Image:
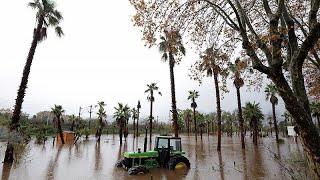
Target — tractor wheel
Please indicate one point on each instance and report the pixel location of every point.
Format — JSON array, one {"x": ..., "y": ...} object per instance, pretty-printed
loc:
[
  {"x": 178, "y": 162},
  {"x": 120, "y": 163},
  {"x": 137, "y": 170}
]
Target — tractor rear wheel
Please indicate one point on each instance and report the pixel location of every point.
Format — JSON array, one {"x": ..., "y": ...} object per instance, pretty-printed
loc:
[
  {"x": 137, "y": 170},
  {"x": 178, "y": 162}
]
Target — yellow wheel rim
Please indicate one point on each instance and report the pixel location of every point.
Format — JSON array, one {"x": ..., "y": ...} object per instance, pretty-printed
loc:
[{"x": 180, "y": 165}]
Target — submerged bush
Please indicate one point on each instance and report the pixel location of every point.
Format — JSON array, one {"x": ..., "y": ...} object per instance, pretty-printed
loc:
[{"x": 280, "y": 140}]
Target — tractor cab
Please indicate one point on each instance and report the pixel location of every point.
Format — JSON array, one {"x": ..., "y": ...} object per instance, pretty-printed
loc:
[{"x": 167, "y": 147}]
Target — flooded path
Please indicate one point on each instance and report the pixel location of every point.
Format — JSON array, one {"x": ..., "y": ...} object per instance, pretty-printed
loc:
[{"x": 89, "y": 160}]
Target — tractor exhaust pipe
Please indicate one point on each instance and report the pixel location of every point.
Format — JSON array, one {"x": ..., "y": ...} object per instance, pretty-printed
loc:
[{"x": 145, "y": 141}]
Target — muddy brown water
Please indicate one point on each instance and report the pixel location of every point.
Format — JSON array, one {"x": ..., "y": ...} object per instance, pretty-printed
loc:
[{"x": 89, "y": 160}]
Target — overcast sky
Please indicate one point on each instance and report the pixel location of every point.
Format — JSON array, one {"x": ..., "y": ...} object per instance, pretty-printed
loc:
[{"x": 100, "y": 58}]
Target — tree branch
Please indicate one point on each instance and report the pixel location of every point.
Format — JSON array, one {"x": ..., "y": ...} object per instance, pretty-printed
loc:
[
  {"x": 223, "y": 14},
  {"x": 313, "y": 13},
  {"x": 267, "y": 8},
  {"x": 308, "y": 44}
]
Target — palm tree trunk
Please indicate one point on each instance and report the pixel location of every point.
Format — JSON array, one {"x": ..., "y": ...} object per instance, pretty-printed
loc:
[
  {"x": 22, "y": 89},
  {"x": 120, "y": 134},
  {"x": 173, "y": 97},
  {"x": 255, "y": 131},
  {"x": 24, "y": 81},
  {"x": 137, "y": 129},
  {"x": 195, "y": 122},
  {"x": 100, "y": 129},
  {"x": 134, "y": 126},
  {"x": 60, "y": 130},
  {"x": 275, "y": 121},
  {"x": 72, "y": 126},
  {"x": 216, "y": 83},
  {"x": 240, "y": 119},
  {"x": 151, "y": 103}
]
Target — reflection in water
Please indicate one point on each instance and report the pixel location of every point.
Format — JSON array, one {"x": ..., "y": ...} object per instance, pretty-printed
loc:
[
  {"x": 280, "y": 172},
  {"x": 221, "y": 166},
  {"x": 98, "y": 159},
  {"x": 120, "y": 152},
  {"x": 257, "y": 164},
  {"x": 6, "y": 169},
  {"x": 53, "y": 164},
  {"x": 244, "y": 161}
]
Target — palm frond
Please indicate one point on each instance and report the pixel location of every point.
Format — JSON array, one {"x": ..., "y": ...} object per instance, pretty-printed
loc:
[
  {"x": 182, "y": 50},
  {"x": 33, "y": 5},
  {"x": 59, "y": 31},
  {"x": 164, "y": 57},
  {"x": 52, "y": 21},
  {"x": 58, "y": 15}
]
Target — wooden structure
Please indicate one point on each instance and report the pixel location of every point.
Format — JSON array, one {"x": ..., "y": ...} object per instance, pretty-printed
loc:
[{"x": 68, "y": 137}]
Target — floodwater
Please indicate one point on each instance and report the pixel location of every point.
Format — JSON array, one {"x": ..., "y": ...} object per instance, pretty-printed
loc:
[{"x": 89, "y": 160}]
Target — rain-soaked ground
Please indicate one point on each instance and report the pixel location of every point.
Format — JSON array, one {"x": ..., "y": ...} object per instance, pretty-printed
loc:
[{"x": 89, "y": 160}]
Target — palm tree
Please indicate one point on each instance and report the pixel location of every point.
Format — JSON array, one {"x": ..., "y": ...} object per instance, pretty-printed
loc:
[
  {"x": 252, "y": 112},
  {"x": 121, "y": 115},
  {"x": 134, "y": 116},
  {"x": 315, "y": 109},
  {"x": 72, "y": 118},
  {"x": 151, "y": 88},
  {"x": 101, "y": 115},
  {"x": 47, "y": 16},
  {"x": 235, "y": 69},
  {"x": 211, "y": 66},
  {"x": 193, "y": 95},
  {"x": 57, "y": 110},
  {"x": 271, "y": 92},
  {"x": 138, "y": 112},
  {"x": 171, "y": 46}
]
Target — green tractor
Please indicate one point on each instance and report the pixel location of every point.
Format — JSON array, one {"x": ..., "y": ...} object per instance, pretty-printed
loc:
[{"x": 167, "y": 153}]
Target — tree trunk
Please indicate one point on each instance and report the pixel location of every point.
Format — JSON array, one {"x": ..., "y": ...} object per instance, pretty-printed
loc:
[
  {"x": 22, "y": 88},
  {"x": 137, "y": 129},
  {"x": 307, "y": 130},
  {"x": 195, "y": 122},
  {"x": 318, "y": 119},
  {"x": 255, "y": 131},
  {"x": 9, "y": 154},
  {"x": 24, "y": 81},
  {"x": 60, "y": 130},
  {"x": 173, "y": 97},
  {"x": 275, "y": 121},
  {"x": 151, "y": 104},
  {"x": 120, "y": 134},
  {"x": 216, "y": 83},
  {"x": 72, "y": 126},
  {"x": 240, "y": 119},
  {"x": 134, "y": 127},
  {"x": 99, "y": 129}
]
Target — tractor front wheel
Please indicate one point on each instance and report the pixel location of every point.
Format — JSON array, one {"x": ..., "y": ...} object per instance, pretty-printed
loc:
[
  {"x": 120, "y": 163},
  {"x": 178, "y": 162},
  {"x": 137, "y": 170}
]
